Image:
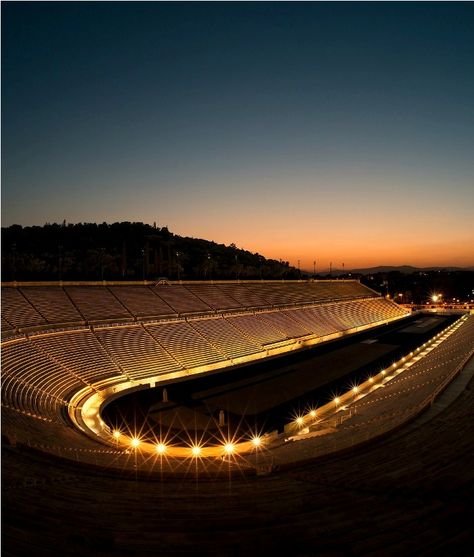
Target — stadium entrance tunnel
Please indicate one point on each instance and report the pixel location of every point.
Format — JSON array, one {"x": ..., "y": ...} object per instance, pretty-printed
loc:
[{"x": 245, "y": 408}]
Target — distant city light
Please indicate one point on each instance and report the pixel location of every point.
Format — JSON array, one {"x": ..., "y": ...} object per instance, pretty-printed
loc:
[{"x": 135, "y": 442}]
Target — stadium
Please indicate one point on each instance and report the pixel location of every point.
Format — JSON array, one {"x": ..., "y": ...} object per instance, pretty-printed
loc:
[
  {"x": 237, "y": 279},
  {"x": 255, "y": 460}
]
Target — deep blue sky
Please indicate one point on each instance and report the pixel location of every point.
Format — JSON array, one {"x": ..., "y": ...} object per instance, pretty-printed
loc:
[{"x": 335, "y": 131}]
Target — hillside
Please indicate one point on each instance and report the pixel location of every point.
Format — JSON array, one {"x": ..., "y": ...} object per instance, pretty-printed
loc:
[{"x": 126, "y": 251}]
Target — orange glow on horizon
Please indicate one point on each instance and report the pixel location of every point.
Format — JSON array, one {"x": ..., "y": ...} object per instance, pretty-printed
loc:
[
  {"x": 345, "y": 219},
  {"x": 356, "y": 247}
]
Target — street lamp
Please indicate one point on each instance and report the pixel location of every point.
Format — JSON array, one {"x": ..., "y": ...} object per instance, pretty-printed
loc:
[{"x": 177, "y": 264}]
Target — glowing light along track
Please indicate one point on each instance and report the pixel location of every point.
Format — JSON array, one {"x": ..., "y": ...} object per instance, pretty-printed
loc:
[
  {"x": 90, "y": 414},
  {"x": 191, "y": 451},
  {"x": 342, "y": 402}
]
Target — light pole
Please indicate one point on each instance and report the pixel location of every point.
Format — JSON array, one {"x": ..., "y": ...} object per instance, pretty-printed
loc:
[
  {"x": 178, "y": 265},
  {"x": 60, "y": 263},
  {"x": 102, "y": 250},
  {"x": 314, "y": 268},
  {"x": 14, "y": 262},
  {"x": 143, "y": 264}
]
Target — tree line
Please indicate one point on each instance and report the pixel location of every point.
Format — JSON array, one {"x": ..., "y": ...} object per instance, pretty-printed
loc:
[{"x": 126, "y": 251}]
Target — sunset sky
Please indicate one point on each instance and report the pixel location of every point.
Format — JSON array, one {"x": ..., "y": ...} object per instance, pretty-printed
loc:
[{"x": 312, "y": 131}]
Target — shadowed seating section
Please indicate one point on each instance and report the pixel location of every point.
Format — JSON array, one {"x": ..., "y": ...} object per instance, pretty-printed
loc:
[
  {"x": 80, "y": 352},
  {"x": 227, "y": 339},
  {"x": 142, "y": 301},
  {"x": 33, "y": 382},
  {"x": 181, "y": 299},
  {"x": 243, "y": 295},
  {"x": 96, "y": 303},
  {"x": 214, "y": 297},
  {"x": 188, "y": 347},
  {"x": 284, "y": 322},
  {"x": 53, "y": 304},
  {"x": 6, "y": 326},
  {"x": 18, "y": 311},
  {"x": 136, "y": 351},
  {"x": 256, "y": 329},
  {"x": 49, "y": 435},
  {"x": 275, "y": 295},
  {"x": 317, "y": 320}
]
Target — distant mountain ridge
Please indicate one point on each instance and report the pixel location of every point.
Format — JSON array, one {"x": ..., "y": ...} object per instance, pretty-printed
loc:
[{"x": 405, "y": 269}]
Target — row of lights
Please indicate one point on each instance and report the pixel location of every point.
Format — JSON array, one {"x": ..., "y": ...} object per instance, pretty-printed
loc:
[
  {"x": 300, "y": 420},
  {"x": 195, "y": 450}
]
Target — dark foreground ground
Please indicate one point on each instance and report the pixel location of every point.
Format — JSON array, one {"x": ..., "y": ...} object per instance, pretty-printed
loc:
[{"x": 410, "y": 494}]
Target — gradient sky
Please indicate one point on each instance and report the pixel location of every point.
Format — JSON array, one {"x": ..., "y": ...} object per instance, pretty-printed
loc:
[{"x": 328, "y": 131}]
